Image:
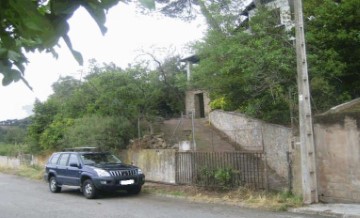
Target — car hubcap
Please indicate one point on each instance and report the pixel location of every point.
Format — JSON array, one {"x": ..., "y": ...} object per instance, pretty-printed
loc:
[
  {"x": 53, "y": 184},
  {"x": 88, "y": 189}
]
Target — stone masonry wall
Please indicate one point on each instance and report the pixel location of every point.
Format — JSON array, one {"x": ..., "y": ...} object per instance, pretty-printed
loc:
[
  {"x": 16, "y": 162},
  {"x": 10, "y": 162},
  {"x": 157, "y": 164},
  {"x": 252, "y": 134}
]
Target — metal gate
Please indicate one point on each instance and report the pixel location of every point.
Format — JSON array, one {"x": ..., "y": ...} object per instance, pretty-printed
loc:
[{"x": 220, "y": 169}]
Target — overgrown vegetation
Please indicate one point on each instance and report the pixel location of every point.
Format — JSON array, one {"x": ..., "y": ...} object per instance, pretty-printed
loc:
[
  {"x": 254, "y": 71},
  {"x": 220, "y": 177},
  {"x": 8, "y": 149},
  {"x": 248, "y": 70},
  {"x": 276, "y": 201},
  {"x": 105, "y": 108}
]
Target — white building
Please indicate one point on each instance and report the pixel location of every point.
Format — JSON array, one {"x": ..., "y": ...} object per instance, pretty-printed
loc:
[{"x": 283, "y": 8}]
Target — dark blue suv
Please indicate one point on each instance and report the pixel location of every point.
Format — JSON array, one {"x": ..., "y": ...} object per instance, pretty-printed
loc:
[{"x": 92, "y": 171}]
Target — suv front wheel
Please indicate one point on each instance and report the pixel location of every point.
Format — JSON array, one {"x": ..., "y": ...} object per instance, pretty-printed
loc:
[
  {"x": 89, "y": 190},
  {"x": 53, "y": 186}
]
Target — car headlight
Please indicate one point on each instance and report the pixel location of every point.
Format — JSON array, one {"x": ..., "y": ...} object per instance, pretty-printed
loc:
[
  {"x": 101, "y": 172},
  {"x": 140, "y": 171}
]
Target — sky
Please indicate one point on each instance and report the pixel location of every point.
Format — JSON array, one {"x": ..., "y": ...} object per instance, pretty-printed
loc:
[{"x": 128, "y": 34}]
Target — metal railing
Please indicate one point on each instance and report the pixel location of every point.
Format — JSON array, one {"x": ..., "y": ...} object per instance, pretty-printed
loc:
[{"x": 221, "y": 169}]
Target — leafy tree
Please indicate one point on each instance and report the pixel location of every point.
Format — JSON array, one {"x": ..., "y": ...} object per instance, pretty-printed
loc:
[
  {"x": 249, "y": 72},
  {"x": 53, "y": 135},
  {"x": 167, "y": 85},
  {"x": 104, "y": 108},
  {"x": 38, "y": 25},
  {"x": 105, "y": 132},
  {"x": 13, "y": 135},
  {"x": 44, "y": 115},
  {"x": 333, "y": 43},
  {"x": 27, "y": 26},
  {"x": 255, "y": 73}
]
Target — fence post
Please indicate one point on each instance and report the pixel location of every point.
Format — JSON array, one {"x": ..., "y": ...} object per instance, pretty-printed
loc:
[
  {"x": 266, "y": 180},
  {"x": 265, "y": 172},
  {"x": 290, "y": 177},
  {"x": 193, "y": 167},
  {"x": 176, "y": 167}
]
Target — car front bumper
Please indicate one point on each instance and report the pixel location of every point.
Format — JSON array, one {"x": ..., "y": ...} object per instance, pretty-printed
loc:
[{"x": 118, "y": 183}]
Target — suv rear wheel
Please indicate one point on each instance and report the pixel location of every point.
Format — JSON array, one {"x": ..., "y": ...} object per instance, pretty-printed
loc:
[
  {"x": 89, "y": 190},
  {"x": 53, "y": 186}
]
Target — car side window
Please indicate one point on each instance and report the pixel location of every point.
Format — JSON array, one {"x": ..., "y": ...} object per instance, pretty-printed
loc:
[
  {"x": 63, "y": 159},
  {"x": 73, "y": 159},
  {"x": 54, "y": 158}
]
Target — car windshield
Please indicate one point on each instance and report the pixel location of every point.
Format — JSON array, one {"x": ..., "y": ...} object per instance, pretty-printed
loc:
[{"x": 99, "y": 158}]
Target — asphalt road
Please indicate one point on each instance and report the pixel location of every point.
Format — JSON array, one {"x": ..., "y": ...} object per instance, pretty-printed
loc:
[{"x": 20, "y": 197}]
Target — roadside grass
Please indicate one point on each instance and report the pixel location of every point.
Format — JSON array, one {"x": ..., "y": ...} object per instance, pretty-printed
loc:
[
  {"x": 32, "y": 172},
  {"x": 164, "y": 190},
  {"x": 274, "y": 201}
]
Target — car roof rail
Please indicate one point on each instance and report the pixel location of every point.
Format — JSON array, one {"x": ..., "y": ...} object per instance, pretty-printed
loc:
[{"x": 85, "y": 149}]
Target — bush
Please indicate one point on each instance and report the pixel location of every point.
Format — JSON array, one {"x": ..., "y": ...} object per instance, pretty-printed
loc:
[
  {"x": 7, "y": 149},
  {"x": 220, "y": 177}
]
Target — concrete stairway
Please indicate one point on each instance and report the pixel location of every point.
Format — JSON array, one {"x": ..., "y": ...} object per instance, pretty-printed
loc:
[{"x": 206, "y": 137}]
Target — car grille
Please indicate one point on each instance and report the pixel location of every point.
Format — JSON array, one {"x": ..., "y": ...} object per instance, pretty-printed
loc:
[{"x": 123, "y": 172}]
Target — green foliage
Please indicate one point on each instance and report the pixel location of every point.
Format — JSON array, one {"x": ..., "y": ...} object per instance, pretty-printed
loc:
[
  {"x": 254, "y": 71},
  {"x": 103, "y": 109},
  {"x": 250, "y": 72},
  {"x": 148, "y": 3},
  {"x": 104, "y": 132},
  {"x": 12, "y": 134},
  {"x": 44, "y": 115},
  {"x": 27, "y": 26},
  {"x": 332, "y": 34},
  {"x": 220, "y": 177},
  {"x": 51, "y": 137},
  {"x": 223, "y": 177},
  {"x": 219, "y": 103},
  {"x": 7, "y": 149}
]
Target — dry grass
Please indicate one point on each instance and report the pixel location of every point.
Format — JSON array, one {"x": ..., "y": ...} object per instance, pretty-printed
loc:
[
  {"x": 242, "y": 196},
  {"x": 32, "y": 172}
]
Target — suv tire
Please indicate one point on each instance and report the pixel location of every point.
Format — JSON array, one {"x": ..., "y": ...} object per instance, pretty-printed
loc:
[
  {"x": 53, "y": 186},
  {"x": 134, "y": 190},
  {"x": 89, "y": 190}
]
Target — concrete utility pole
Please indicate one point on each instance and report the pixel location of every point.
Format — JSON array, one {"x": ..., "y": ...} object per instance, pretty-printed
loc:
[{"x": 307, "y": 147}]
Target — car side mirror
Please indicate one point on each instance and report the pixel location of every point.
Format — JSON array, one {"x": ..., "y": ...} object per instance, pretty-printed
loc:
[{"x": 75, "y": 165}]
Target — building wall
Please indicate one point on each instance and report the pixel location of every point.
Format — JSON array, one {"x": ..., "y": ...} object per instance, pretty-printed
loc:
[
  {"x": 338, "y": 160},
  {"x": 252, "y": 134},
  {"x": 191, "y": 104},
  {"x": 285, "y": 11}
]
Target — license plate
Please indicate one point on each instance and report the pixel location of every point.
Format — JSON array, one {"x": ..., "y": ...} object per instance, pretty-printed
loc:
[{"x": 127, "y": 182}]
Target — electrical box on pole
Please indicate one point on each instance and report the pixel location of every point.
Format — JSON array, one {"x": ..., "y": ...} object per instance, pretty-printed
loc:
[{"x": 307, "y": 147}]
